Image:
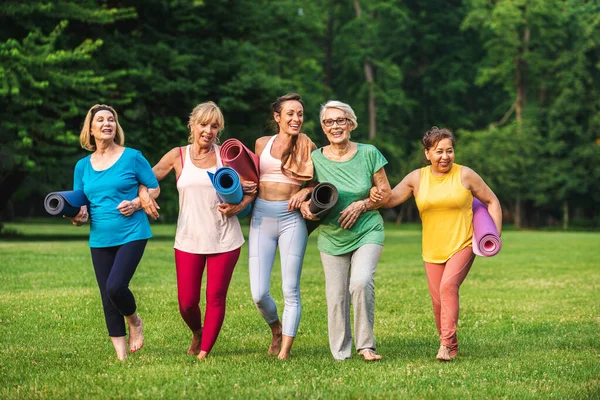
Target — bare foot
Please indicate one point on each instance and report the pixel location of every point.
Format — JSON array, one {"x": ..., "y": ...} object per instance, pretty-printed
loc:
[
  {"x": 195, "y": 345},
  {"x": 120, "y": 345},
  {"x": 202, "y": 355},
  {"x": 136, "y": 333},
  {"x": 286, "y": 347},
  {"x": 275, "y": 346},
  {"x": 443, "y": 353},
  {"x": 369, "y": 355},
  {"x": 453, "y": 353}
]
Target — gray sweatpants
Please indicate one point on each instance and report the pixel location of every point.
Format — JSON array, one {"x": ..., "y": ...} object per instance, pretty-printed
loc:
[{"x": 351, "y": 276}]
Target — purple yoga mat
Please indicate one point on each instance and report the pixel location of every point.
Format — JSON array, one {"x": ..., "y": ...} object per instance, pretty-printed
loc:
[{"x": 486, "y": 241}]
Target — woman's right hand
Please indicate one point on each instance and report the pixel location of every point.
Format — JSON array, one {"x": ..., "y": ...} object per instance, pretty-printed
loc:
[
  {"x": 81, "y": 217},
  {"x": 149, "y": 205},
  {"x": 305, "y": 210},
  {"x": 375, "y": 194}
]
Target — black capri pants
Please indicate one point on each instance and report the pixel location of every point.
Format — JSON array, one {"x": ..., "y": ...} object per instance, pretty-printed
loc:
[{"x": 114, "y": 268}]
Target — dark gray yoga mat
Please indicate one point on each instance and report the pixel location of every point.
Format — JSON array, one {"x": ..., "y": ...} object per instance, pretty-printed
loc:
[{"x": 324, "y": 197}]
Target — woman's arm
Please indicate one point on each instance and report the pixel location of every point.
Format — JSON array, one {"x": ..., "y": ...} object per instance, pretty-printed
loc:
[
  {"x": 147, "y": 197},
  {"x": 382, "y": 187},
  {"x": 405, "y": 189},
  {"x": 473, "y": 182},
  {"x": 229, "y": 210}
]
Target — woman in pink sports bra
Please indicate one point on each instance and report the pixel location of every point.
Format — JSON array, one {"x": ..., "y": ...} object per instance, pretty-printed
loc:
[
  {"x": 208, "y": 231},
  {"x": 277, "y": 222}
]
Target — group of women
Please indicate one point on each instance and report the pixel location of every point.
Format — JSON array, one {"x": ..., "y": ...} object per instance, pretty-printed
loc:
[{"x": 121, "y": 185}]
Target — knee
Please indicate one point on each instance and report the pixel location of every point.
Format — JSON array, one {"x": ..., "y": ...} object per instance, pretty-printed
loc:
[
  {"x": 216, "y": 300},
  {"x": 361, "y": 286},
  {"x": 291, "y": 294},
  {"x": 115, "y": 289},
  {"x": 260, "y": 297},
  {"x": 448, "y": 288},
  {"x": 187, "y": 306}
]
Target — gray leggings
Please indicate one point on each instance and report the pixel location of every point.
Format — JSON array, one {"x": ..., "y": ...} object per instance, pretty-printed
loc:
[
  {"x": 273, "y": 225},
  {"x": 351, "y": 276}
]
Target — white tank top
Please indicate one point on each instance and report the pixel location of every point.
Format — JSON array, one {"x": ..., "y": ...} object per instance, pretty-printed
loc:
[
  {"x": 270, "y": 167},
  {"x": 201, "y": 228}
]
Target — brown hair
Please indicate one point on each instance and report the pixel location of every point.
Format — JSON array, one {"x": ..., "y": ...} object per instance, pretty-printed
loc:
[
  {"x": 205, "y": 113},
  {"x": 276, "y": 106},
  {"x": 86, "y": 139},
  {"x": 433, "y": 136}
]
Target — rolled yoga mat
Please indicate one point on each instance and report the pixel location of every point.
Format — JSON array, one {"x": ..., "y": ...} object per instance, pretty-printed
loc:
[
  {"x": 226, "y": 182},
  {"x": 65, "y": 203},
  {"x": 241, "y": 159},
  {"x": 323, "y": 198},
  {"x": 486, "y": 241}
]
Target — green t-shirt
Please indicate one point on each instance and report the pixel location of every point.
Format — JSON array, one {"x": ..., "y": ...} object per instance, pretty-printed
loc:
[{"x": 353, "y": 179}]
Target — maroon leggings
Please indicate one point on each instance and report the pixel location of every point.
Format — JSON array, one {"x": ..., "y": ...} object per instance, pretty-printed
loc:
[
  {"x": 444, "y": 281},
  {"x": 190, "y": 268}
]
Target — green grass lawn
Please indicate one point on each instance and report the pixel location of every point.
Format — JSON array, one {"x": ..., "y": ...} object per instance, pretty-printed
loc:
[{"x": 529, "y": 326}]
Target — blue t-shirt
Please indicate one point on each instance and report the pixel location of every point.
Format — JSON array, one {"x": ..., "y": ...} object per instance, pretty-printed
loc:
[{"x": 107, "y": 189}]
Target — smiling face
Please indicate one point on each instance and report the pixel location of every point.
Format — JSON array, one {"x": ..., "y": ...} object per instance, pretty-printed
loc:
[
  {"x": 205, "y": 133},
  {"x": 336, "y": 134},
  {"x": 441, "y": 156},
  {"x": 290, "y": 118},
  {"x": 104, "y": 126}
]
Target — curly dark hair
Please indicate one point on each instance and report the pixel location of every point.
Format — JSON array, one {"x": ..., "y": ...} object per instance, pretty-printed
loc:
[{"x": 433, "y": 136}]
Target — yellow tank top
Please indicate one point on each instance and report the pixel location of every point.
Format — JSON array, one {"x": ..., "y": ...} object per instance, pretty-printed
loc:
[{"x": 445, "y": 207}]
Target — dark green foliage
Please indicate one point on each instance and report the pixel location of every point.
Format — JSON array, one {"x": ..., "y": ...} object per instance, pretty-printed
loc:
[{"x": 453, "y": 64}]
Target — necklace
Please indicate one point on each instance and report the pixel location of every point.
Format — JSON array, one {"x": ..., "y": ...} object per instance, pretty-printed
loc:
[
  {"x": 343, "y": 153},
  {"x": 204, "y": 156}
]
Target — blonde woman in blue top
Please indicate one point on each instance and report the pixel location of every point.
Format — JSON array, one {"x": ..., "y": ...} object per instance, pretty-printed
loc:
[{"x": 119, "y": 230}]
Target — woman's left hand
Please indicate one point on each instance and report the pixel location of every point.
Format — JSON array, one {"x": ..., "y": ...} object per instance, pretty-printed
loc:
[
  {"x": 229, "y": 210},
  {"x": 249, "y": 187},
  {"x": 350, "y": 214},
  {"x": 127, "y": 208},
  {"x": 297, "y": 200}
]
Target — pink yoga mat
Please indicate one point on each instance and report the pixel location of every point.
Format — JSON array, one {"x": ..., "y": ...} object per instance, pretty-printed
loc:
[
  {"x": 486, "y": 241},
  {"x": 241, "y": 159}
]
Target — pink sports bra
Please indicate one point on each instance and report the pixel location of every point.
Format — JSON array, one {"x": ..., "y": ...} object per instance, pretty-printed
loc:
[{"x": 270, "y": 167}]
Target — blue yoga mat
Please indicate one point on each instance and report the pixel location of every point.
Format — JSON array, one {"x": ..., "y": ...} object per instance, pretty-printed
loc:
[
  {"x": 229, "y": 187},
  {"x": 65, "y": 203}
]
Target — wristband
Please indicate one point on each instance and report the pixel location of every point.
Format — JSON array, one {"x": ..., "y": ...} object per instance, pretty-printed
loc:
[{"x": 365, "y": 203}]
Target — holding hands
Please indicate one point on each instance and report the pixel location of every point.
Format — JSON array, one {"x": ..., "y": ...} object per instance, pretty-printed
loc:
[
  {"x": 149, "y": 205},
  {"x": 305, "y": 210}
]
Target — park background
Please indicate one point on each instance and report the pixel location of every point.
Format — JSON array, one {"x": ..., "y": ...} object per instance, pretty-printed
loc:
[{"x": 516, "y": 80}]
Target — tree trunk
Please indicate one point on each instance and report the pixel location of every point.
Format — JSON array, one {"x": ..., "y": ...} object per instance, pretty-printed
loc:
[
  {"x": 518, "y": 205},
  {"x": 521, "y": 77},
  {"x": 369, "y": 77},
  {"x": 565, "y": 215},
  {"x": 329, "y": 51}
]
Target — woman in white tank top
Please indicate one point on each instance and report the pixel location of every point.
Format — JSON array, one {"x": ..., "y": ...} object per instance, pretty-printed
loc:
[{"x": 208, "y": 232}]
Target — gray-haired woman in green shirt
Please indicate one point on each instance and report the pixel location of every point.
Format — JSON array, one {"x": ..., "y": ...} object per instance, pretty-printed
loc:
[{"x": 351, "y": 235}]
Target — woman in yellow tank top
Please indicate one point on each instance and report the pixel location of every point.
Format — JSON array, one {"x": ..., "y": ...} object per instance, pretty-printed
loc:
[{"x": 444, "y": 194}]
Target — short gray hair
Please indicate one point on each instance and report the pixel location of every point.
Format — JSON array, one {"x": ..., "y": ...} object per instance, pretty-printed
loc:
[{"x": 345, "y": 108}]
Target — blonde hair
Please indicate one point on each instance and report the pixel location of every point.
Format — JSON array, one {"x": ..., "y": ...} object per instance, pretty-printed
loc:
[
  {"x": 205, "y": 113},
  {"x": 86, "y": 139},
  {"x": 345, "y": 108}
]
